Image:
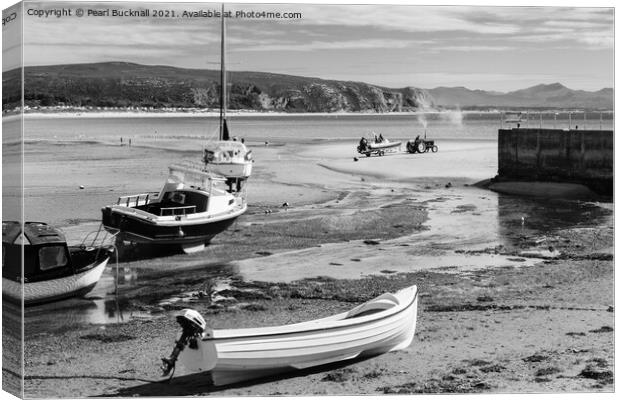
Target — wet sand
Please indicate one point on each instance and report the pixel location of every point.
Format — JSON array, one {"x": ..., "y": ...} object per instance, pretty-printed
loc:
[{"x": 516, "y": 294}]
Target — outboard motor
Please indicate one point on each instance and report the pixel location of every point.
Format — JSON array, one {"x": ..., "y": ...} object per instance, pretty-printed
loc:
[{"x": 193, "y": 325}]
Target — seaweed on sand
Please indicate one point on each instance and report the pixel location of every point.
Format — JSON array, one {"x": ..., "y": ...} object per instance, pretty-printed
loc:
[
  {"x": 603, "y": 376},
  {"x": 108, "y": 338},
  {"x": 340, "y": 375},
  {"x": 451, "y": 385},
  {"x": 548, "y": 371},
  {"x": 603, "y": 329}
]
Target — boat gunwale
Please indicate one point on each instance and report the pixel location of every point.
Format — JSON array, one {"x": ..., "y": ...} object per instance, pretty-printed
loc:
[
  {"x": 384, "y": 145},
  {"x": 26, "y": 288},
  {"x": 213, "y": 192},
  {"x": 166, "y": 220},
  {"x": 355, "y": 322}
]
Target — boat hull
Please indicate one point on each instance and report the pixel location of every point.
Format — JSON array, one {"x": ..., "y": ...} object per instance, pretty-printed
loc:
[
  {"x": 139, "y": 230},
  {"x": 383, "y": 146},
  {"x": 55, "y": 289},
  {"x": 238, "y": 357},
  {"x": 378, "y": 148},
  {"x": 231, "y": 170}
]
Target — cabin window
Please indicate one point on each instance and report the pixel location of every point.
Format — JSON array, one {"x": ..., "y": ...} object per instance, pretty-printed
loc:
[{"x": 52, "y": 257}]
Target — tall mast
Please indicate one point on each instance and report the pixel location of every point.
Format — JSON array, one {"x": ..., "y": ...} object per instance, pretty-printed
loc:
[{"x": 223, "y": 87}]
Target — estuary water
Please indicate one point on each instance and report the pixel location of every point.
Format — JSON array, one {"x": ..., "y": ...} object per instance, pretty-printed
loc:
[{"x": 290, "y": 128}]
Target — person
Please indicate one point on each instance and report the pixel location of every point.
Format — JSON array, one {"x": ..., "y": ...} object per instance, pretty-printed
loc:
[
  {"x": 380, "y": 138},
  {"x": 416, "y": 143},
  {"x": 363, "y": 143}
]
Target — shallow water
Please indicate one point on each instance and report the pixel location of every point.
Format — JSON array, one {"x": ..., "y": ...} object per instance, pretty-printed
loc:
[
  {"x": 102, "y": 306},
  {"x": 99, "y": 307},
  {"x": 466, "y": 220}
]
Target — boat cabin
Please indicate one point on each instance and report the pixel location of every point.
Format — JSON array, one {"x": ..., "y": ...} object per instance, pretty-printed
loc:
[
  {"x": 176, "y": 202},
  {"x": 45, "y": 253},
  {"x": 187, "y": 191},
  {"x": 190, "y": 201},
  {"x": 226, "y": 151}
]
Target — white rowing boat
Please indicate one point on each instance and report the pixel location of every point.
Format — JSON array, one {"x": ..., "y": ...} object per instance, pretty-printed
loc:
[{"x": 384, "y": 324}]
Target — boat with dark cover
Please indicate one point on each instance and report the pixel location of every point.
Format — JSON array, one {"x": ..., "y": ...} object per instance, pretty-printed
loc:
[{"x": 52, "y": 270}]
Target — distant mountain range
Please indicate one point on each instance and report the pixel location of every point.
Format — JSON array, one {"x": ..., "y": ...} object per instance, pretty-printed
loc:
[
  {"x": 127, "y": 85},
  {"x": 554, "y": 95}
]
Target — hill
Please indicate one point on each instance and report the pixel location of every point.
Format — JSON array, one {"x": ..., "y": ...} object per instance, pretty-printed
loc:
[
  {"x": 553, "y": 95},
  {"x": 128, "y": 85},
  {"x": 120, "y": 84}
]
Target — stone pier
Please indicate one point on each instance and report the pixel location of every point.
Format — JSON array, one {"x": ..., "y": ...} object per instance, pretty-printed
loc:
[{"x": 575, "y": 156}]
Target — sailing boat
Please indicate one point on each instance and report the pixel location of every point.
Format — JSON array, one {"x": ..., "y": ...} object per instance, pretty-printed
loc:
[
  {"x": 197, "y": 201},
  {"x": 227, "y": 157}
]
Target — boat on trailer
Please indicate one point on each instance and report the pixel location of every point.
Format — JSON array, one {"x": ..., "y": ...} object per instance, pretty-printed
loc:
[
  {"x": 386, "y": 323},
  {"x": 192, "y": 207},
  {"x": 377, "y": 145},
  {"x": 52, "y": 270}
]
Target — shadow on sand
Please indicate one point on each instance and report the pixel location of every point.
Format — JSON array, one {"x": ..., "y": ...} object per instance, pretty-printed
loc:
[
  {"x": 128, "y": 252},
  {"x": 200, "y": 383}
]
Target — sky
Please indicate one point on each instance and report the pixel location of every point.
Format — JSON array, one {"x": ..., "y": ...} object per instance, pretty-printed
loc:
[{"x": 479, "y": 47}]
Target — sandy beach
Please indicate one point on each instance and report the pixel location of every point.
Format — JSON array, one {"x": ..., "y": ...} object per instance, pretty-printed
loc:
[
  {"x": 183, "y": 113},
  {"x": 516, "y": 292}
]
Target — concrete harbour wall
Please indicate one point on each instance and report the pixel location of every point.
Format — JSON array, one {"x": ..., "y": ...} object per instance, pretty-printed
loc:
[{"x": 576, "y": 156}]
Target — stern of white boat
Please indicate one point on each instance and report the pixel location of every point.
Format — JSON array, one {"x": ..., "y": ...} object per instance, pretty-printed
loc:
[{"x": 191, "y": 349}]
